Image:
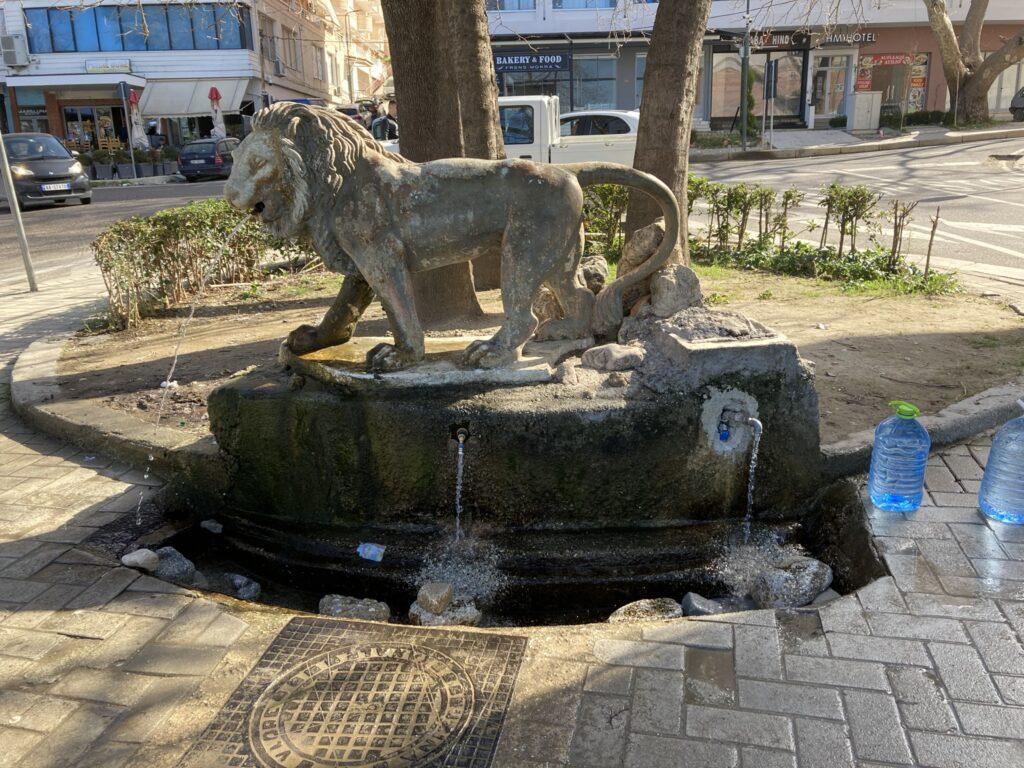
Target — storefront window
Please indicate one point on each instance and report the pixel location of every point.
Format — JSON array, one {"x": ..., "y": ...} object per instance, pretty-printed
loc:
[
  {"x": 901, "y": 77},
  {"x": 828, "y": 88},
  {"x": 790, "y": 83},
  {"x": 594, "y": 86},
  {"x": 89, "y": 128},
  {"x": 537, "y": 84},
  {"x": 727, "y": 73},
  {"x": 641, "y": 73}
]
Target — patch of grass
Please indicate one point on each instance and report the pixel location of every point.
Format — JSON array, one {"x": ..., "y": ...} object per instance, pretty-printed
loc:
[
  {"x": 765, "y": 295},
  {"x": 715, "y": 140},
  {"x": 254, "y": 291},
  {"x": 711, "y": 271},
  {"x": 715, "y": 298}
]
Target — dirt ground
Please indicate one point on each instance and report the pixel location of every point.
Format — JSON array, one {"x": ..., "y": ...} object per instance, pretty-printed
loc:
[{"x": 867, "y": 349}]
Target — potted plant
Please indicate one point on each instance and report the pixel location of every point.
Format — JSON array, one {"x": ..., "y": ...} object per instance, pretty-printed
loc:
[
  {"x": 144, "y": 162},
  {"x": 102, "y": 164},
  {"x": 170, "y": 154},
  {"x": 123, "y": 161}
]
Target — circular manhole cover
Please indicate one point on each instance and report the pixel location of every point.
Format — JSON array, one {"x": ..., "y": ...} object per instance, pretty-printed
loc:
[{"x": 364, "y": 705}]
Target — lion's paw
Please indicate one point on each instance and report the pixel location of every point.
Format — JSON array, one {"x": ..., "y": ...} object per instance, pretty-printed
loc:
[
  {"x": 487, "y": 354},
  {"x": 384, "y": 358},
  {"x": 305, "y": 338}
]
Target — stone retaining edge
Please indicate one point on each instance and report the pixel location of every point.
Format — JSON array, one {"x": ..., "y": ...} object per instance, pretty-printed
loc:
[
  {"x": 35, "y": 397},
  {"x": 195, "y": 467},
  {"x": 953, "y": 424},
  {"x": 965, "y": 137}
]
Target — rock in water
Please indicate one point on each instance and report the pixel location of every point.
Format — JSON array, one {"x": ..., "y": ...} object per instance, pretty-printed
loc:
[
  {"x": 791, "y": 584},
  {"x": 647, "y": 610},
  {"x": 465, "y": 614},
  {"x": 698, "y": 605},
  {"x": 212, "y": 526},
  {"x": 143, "y": 559},
  {"x": 174, "y": 566},
  {"x": 245, "y": 588},
  {"x": 344, "y": 607},
  {"x": 435, "y": 596}
]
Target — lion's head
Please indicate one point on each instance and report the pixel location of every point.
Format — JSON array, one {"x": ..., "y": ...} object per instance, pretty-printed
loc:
[{"x": 294, "y": 163}]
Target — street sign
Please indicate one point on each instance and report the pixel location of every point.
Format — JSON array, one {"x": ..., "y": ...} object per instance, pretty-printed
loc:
[{"x": 771, "y": 79}]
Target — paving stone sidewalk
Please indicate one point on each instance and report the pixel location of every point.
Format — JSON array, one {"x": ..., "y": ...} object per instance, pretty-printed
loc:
[{"x": 101, "y": 667}]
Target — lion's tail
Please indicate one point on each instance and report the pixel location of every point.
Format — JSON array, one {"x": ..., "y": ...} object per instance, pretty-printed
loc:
[{"x": 608, "y": 311}]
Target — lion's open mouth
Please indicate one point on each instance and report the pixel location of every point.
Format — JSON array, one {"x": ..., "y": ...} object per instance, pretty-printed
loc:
[{"x": 258, "y": 208}]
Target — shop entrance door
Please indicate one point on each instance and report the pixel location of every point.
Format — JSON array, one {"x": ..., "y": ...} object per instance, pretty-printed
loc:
[{"x": 828, "y": 89}]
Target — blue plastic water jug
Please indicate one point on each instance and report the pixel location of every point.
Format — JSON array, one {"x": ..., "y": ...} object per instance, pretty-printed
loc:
[
  {"x": 1002, "y": 489},
  {"x": 898, "y": 459}
]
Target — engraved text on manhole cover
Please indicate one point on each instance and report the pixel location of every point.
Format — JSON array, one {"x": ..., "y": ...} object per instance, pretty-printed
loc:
[
  {"x": 361, "y": 705},
  {"x": 338, "y": 694}
]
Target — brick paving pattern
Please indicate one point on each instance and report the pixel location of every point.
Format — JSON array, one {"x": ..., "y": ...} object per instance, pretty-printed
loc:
[{"x": 103, "y": 668}]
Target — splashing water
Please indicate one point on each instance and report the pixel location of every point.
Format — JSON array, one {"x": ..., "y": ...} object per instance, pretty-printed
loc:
[
  {"x": 459, "y": 463},
  {"x": 758, "y": 429},
  {"x": 168, "y": 384}
]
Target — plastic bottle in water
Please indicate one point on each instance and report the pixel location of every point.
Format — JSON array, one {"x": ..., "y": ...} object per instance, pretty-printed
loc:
[
  {"x": 1002, "y": 489},
  {"x": 898, "y": 459}
]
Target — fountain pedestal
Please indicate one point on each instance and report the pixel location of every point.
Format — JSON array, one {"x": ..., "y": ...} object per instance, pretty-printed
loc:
[{"x": 325, "y": 456}]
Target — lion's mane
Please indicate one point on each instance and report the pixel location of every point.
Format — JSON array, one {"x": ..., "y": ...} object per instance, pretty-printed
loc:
[{"x": 320, "y": 147}]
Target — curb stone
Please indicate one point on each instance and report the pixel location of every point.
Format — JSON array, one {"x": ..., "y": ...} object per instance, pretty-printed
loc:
[
  {"x": 35, "y": 396},
  {"x": 953, "y": 424}
]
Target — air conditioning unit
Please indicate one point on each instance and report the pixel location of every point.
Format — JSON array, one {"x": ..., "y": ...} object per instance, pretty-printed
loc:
[
  {"x": 278, "y": 68},
  {"x": 14, "y": 50}
]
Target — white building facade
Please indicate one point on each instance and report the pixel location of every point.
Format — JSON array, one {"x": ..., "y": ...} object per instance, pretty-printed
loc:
[
  {"x": 592, "y": 54},
  {"x": 70, "y": 67}
]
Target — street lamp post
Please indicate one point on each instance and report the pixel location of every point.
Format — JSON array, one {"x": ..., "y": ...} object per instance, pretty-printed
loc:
[{"x": 19, "y": 225}]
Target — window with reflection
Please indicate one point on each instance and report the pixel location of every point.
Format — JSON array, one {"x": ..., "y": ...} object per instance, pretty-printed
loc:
[{"x": 150, "y": 27}]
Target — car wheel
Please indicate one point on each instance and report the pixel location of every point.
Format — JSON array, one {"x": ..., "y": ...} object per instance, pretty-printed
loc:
[
  {"x": 86, "y": 200},
  {"x": 190, "y": 179},
  {"x": 1018, "y": 115}
]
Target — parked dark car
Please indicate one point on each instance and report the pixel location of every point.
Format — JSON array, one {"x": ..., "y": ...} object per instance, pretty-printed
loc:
[
  {"x": 1017, "y": 106},
  {"x": 207, "y": 159},
  {"x": 44, "y": 171}
]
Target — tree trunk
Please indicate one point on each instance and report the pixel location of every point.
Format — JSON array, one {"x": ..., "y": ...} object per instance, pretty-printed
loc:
[
  {"x": 430, "y": 129},
  {"x": 477, "y": 88},
  {"x": 670, "y": 88},
  {"x": 969, "y": 74}
]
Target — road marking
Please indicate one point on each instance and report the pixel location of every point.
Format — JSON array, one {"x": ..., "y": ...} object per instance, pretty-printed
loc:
[
  {"x": 977, "y": 226},
  {"x": 972, "y": 241},
  {"x": 932, "y": 185}
]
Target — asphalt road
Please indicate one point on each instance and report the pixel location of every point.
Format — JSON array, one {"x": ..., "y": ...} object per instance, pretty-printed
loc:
[
  {"x": 982, "y": 200},
  {"x": 982, "y": 203},
  {"x": 59, "y": 236}
]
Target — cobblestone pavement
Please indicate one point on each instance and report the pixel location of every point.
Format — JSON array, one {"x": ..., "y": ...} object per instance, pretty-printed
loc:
[{"x": 101, "y": 667}]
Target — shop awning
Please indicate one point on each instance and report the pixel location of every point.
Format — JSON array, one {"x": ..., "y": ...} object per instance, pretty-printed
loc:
[
  {"x": 190, "y": 98},
  {"x": 66, "y": 81}
]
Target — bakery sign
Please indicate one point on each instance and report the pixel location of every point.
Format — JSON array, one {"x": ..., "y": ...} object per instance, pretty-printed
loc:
[{"x": 108, "y": 66}]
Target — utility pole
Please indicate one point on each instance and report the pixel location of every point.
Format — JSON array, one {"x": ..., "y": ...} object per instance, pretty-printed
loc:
[
  {"x": 19, "y": 226},
  {"x": 744, "y": 80}
]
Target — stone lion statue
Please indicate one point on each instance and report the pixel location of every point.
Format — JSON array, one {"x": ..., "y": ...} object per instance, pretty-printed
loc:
[{"x": 376, "y": 218}]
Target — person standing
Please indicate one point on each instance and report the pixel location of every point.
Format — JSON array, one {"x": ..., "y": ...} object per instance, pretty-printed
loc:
[{"x": 385, "y": 127}]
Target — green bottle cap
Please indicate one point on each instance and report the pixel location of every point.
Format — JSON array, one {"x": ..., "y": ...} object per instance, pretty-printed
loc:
[{"x": 905, "y": 410}]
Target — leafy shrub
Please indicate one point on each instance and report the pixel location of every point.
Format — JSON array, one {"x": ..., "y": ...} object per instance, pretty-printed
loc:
[
  {"x": 839, "y": 121},
  {"x": 872, "y": 267},
  {"x": 926, "y": 117},
  {"x": 166, "y": 258},
  {"x": 604, "y": 207},
  {"x": 170, "y": 152}
]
